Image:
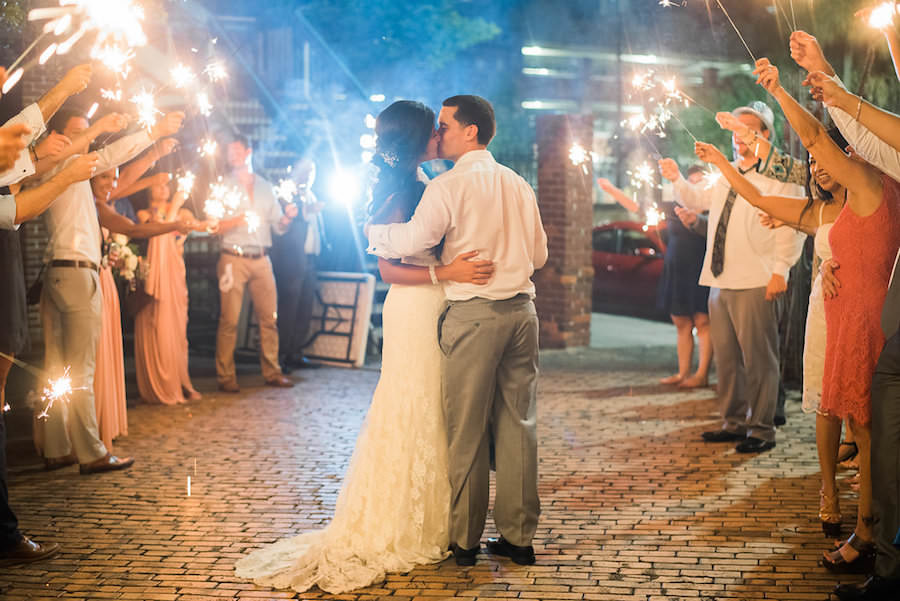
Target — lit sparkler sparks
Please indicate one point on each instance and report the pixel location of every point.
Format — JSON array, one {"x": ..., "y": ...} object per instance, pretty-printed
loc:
[
  {"x": 203, "y": 105},
  {"x": 668, "y": 3},
  {"x": 56, "y": 390},
  {"x": 182, "y": 76},
  {"x": 214, "y": 209},
  {"x": 114, "y": 58},
  {"x": 208, "y": 148},
  {"x": 577, "y": 154},
  {"x": 253, "y": 221},
  {"x": 654, "y": 216},
  {"x": 146, "y": 108},
  {"x": 286, "y": 190},
  {"x": 215, "y": 71},
  {"x": 643, "y": 175},
  {"x": 186, "y": 183},
  {"x": 114, "y": 95},
  {"x": 711, "y": 178},
  {"x": 882, "y": 16}
]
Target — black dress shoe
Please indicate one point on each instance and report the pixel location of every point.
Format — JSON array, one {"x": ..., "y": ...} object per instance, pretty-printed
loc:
[
  {"x": 722, "y": 436},
  {"x": 754, "y": 445},
  {"x": 464, "y": 557},
  {"x": 304, "y": 363},
  {"x": 780, "y": 420},
  {"x": 875, "y": 588},
  {"x": 27, "y": 551},
  {"x": 524, "y": 556}
]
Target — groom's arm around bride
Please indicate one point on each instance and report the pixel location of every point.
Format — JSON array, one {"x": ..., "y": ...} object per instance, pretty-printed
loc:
[{"x": 487, "y": 333}]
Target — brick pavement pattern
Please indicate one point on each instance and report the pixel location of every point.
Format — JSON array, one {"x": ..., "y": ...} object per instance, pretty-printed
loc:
[{"x": 634, "y": 506}]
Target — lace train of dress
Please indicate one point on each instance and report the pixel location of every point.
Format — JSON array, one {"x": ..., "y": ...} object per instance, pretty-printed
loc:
[{"x": 392, "y": 510}]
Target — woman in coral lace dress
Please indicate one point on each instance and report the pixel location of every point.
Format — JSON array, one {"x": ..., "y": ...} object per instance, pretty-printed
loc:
[
  {"x": 160, "y": 332},
  {"x": 855, "y": 339}
]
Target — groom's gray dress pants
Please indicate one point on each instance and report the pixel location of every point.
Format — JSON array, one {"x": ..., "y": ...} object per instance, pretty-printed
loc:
[
  {"x": 886, "y": 459},
  {"x": 489, "y": 386}
]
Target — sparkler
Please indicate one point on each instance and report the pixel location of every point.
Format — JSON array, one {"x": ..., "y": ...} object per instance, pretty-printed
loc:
[
  {"x": 186, "y": 183},
  {"x": 643, "y": 175},
  {"x": 114, "y": 95},
  {"x": 253, "y": 221},
  {"x": 13, "y": 79},
  {"x": 203, "y": 104},
  {"x": 214, "y": 209},
  {"x": 286, "y": 190},
  {"x": 711, "y": 178},
  {"x": 736, "y": 30},
  {"x": 115, "y": 59},
  {"x": 146, "y": 107},
  {"x": 208, "y": 148},
  {"x": 216, "y": 72},
  {"x": 93, "y": 110},
  {"x": 882, "y": 16},
  {"x": 57, "y": 390},
  {"x": 182, "y": 76}
]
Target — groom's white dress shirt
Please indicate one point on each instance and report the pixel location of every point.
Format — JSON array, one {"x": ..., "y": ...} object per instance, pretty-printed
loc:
[{"x": 478, "y": 205}]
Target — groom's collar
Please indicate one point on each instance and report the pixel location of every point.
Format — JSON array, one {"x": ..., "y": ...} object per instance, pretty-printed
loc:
[{"x": 474, "y": 155}]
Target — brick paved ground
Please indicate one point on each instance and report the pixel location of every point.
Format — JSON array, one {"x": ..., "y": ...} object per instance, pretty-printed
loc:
[{"x": 634, "y": 506}]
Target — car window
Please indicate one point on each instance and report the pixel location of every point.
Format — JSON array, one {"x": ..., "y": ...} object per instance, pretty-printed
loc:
[
  {"x": 633, "y": 240},
  {"x": 605, "y": 241}
]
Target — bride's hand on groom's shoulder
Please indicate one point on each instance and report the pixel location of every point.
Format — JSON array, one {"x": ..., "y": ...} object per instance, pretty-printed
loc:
[{"x": 468, "y": 270}]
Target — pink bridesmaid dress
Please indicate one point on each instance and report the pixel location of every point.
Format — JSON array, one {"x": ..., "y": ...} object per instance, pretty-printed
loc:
[
  {"x": 160, "y": 333},
  {"x": 109, "y": 374}
]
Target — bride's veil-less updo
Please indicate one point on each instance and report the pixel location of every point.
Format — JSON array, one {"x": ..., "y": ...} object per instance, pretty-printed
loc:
[{"x": 404, "y": 130}]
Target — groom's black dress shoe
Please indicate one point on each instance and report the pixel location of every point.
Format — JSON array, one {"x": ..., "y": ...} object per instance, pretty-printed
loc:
[
  {"x": 464, "y": 557},
  {"x": 722, "y": 436},
  {"x": 873, "y": 589},
  {"x": 754, "y": 445},
  {"x": 524, "y": 556}
]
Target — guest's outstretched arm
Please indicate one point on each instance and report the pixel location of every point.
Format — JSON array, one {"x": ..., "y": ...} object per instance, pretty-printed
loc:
[
  {"x": 34, "y": 201},
  {"x": 861, "y": 179},
  {"x": 123, "y": 225},
  {"x": 618, "y": 195},
  {"x": 785, "y": 208}
]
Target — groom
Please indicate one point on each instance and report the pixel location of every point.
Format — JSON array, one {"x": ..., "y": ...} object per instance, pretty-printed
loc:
[{"x": 488, "y": 334}]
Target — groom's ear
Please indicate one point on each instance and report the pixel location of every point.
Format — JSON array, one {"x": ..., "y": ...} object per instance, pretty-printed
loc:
[{"x": 471, "y": 132}]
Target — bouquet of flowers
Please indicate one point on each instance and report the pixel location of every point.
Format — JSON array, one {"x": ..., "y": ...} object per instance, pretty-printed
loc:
[{"x": 125, "y": 261}]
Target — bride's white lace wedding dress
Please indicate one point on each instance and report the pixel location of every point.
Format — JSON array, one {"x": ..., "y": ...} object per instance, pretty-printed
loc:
[{"x": 392, "y": 510}]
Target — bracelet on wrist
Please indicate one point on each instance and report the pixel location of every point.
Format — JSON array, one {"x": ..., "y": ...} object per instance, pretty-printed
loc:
[
  {"x": 432, "y": 274},
  {"x": 859, "y": 106}
]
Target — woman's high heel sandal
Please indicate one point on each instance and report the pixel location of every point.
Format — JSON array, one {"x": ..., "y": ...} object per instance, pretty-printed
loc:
[
  {"x": 863, "y": 564},
  {"x": 847, "y": 451},
  {"x": 830, "y": 514}
]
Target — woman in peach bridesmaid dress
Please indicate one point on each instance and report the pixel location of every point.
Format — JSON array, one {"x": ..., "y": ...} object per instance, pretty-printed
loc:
[{"x": 160, "y": 334}]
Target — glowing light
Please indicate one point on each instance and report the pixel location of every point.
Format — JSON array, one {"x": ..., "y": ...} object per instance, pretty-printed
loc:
[
  {"x": 367, "y": 141},
  {"x": 146, "y": 108},
  {"x": 654, "y": 216},
  {"x": 643, "y": 175},
  {"x": 710, "y": 179},
  {"x": 370, "y": 121},
  {"x": 366, "y": 156},
  {"x": 203, "y": 104},
  {"x": 13, "y": 80},
  {"x": 214, "y": 209},
  {"x": 56, "y": 390},
  {"x": 46, "y": 54},
  {"x": 215, "y": 71},
  {"x": 188, "y": 486},
  {"x": 253, "y": 221},
  {"x": 208, "y": 148},
  {"x": 286, "y": 190},
  {"x": 115, "y": 59},
  {"x": 186, "y": 183},
  {"x": 882, "y": 16},
  {"x": 668, "y": 3},
  {"x": 344, "y": 187},
  {"x": 577, "y": 154},
  {"x": 182, "y": 76},
  {"x": 115, "y": 95},
  {"x": 377, "y": 98},
  {"x": 93, "y": 110}
]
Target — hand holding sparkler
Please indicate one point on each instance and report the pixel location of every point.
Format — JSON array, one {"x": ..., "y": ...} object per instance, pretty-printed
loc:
[
  {"x": 12, "y": 142},
  {"x": 767, "y": 76},
  {"x": 669, "y": 170},
  {"x": 164, "y": 147},
  {"x": 112, "y": 123},
  {"x": 52, "y": 145},
  {"x": 81, "y": 168},
  {"x": 168, "y": 125},
  {"x": 807, "y": 53},
  {"x": 688, "y": 217},
  {"x": 709, "y": 154},
  {"x": 77, "y": 79},
  {"x": 830, "y": 91}
]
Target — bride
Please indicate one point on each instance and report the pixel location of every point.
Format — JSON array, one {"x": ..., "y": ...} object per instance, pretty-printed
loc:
[{"x": 392, "y": 510}]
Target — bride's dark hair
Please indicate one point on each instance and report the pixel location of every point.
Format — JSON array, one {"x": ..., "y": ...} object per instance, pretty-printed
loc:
[{"x": 404, "y": 130}]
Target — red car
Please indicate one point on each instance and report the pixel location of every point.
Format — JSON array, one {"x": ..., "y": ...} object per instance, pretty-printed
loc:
[{"x": 628, "y": 264}]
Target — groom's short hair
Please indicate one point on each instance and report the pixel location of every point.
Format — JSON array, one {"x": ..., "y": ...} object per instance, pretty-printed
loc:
[{"x": 475, "y": 110}]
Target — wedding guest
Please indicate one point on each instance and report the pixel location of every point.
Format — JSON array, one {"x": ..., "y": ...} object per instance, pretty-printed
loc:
[
  {"x": 746, "y": 267},
  {"x": 160, "y": 330},
  {"x": 679, "y": 294},
  {"x": 294, "y": 260},
  {"x": 71, "y": 304},
  {"x": 814, "y": 215},
  {"x": 245, "y": 263},
  {"x": 871, "y": 215}
]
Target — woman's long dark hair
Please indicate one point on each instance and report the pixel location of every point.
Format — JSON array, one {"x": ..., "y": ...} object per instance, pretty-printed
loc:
[
  {"x": 404, "y": 130},
  {"x": 813, "y": 189}
]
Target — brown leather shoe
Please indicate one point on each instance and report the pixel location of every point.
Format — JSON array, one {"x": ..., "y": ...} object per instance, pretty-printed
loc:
[
  {"x": 229, "y": 387},
  {"x": 27, "y": 551},
  {"x": 109, "y": 463},
  {"x": 55, "y": 463},
  {"x": 280, "y": 382}
]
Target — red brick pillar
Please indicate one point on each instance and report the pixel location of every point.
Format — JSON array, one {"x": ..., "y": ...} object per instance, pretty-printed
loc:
[{"x": 565, "y": 197}]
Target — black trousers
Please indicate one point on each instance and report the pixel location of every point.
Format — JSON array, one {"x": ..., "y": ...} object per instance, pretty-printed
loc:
[
  {"x": 9, "y": 525},
  {"x": 296, "y": 295},
  {"x": 886, "y": 458}
]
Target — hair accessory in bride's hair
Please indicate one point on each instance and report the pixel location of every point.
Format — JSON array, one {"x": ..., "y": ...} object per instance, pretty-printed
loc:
[{"x": 390, "y": 158}]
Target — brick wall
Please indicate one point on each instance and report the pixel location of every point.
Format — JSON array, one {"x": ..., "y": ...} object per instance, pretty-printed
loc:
[{"x": 565, "y": 200}]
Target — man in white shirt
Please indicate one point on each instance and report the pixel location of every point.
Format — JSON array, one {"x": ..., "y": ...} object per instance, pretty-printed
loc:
[
  {"x": 885, "y": 578},
  {"x": 245, "y": 263},
  {"x": 71, "y": 303},
  {"x": 488, "y": 333},
  {"x": 746, "y": 267}
]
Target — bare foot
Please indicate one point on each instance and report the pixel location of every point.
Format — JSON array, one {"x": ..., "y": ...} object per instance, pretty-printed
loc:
[
  {"x": 672, "y": 379},
  {"x": 194, "y": 396},
  {"x": 695, "y": 381}
]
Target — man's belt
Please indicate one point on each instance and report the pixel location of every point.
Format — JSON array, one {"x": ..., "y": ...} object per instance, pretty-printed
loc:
[
  {"x": 237, "y": 251},
  {"x": 76, "y": 264}
]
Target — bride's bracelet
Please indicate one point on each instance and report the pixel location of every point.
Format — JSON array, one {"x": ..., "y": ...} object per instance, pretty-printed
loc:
[{"x": 432, "y": 274}]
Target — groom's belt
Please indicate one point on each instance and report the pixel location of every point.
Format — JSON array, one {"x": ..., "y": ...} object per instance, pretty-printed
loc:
[
  {"x": 77, "y": 264},
  {"x": 256, "y": 252}
]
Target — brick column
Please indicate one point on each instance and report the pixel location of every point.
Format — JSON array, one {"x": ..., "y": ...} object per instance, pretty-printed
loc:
[{"x": 565, "y": 197}]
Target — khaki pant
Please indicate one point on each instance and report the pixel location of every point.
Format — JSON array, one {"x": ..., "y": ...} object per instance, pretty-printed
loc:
[
  {"x": 70, "y": 314},
  {"x": 489, "y": 375},
  {"x": 257, "y": 275}
]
